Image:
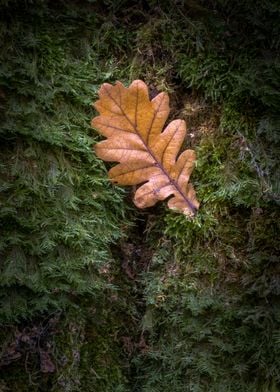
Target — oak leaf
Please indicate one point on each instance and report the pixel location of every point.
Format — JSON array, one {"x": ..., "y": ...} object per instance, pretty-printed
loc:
[{"x": 133, "y": 126}]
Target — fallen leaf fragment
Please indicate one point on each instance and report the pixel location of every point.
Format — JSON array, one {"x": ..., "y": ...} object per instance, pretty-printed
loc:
[
  {"x": 47, "y": 366},
  {"x": 133, "y": 126}
]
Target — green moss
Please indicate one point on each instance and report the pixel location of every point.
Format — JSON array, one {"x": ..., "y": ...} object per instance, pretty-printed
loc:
[
  {"x": 212, "y": 290},
  {"x": 61, "y": 213}
]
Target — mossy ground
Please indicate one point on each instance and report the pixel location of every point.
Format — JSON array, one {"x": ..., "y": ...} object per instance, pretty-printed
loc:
[{"x": 95, "y": 295}]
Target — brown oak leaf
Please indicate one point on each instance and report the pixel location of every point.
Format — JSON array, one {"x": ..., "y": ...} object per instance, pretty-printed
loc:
[{"x": 133, "y": 126}]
